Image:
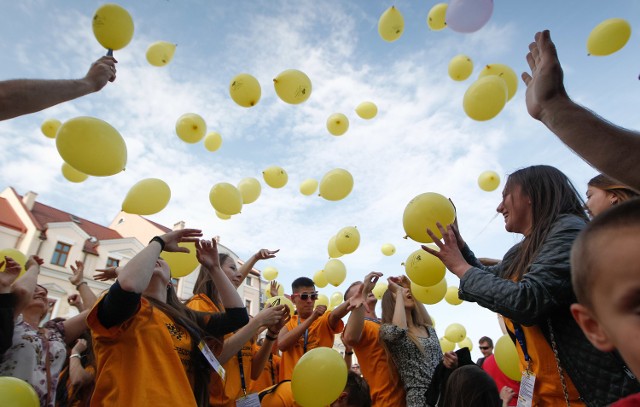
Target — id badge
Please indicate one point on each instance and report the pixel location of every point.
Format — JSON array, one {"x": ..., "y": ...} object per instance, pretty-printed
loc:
[
  {"x": 525, "y": 396},
  {"x": 211, "y": 358},
  {"x": 250, "y": 400}
]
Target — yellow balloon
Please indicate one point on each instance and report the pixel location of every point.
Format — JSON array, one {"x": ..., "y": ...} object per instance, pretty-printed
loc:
[
  {"x": 212, "y": 141},
  {"x": 337, "y": 298},
  {"x": 292, "y": 86},
  {"x": 282, "y": 300},
  {"x": 50, "y": 127},
  {"x": 608, "y": 37},
  {"x": 507, "y": 358},
  {"x": 424, "y": 268},
  {"x": 335, "y": 271},
  {"x": 505, "y": 72},
  {"x": 337, "y": 124},
  {"x": 92, "y": 146},
  {"x": 225, "y": 198},
  {"x": 147, "y": 197},
  {"x": 275, "y": 177},
  {"x": 446, "y": 345},
  {"x": 308, "y": 187},
  {"x": 332, "y": 249},
  {"x": 391, "y": 24},
  {"x": 367, "y": 110},
  {"x": 485, "y": 98},
  {"x": 15, "y": 392},
  {"x": 73, "y": 175},
  {"x": 388, "y": 249},
  {"x": 466, "y": 343},
  {"x": 250, "y": 189},
  {"x": 489, "y": 181},
  {"x": 16, "y": 255},
  {"x": 318, "y": 378},
  {"x": 191, "y": 128},
  {"x": 423, "y": 212},
  {"x": 455, "y": 333},
  {"x": 112, "y": 26},
  {"x": 245, "y": 90},
  {"x": 460, "y": 67},
  {"x": 436, "y": 18},
  {"x": 320, "y": 279},
  {"x": 348, "y": 240},
  {"x": 429, "y": 295},
  {"x": 452, "y": 296},
  {"x": 182, "y": 264},
  {"x": 379, "y": 289},
  {"x": 322, "y": 300},
  {"x": 336, "y": 184},
  {"x": 279, "y": 287},
  {"x": 160, "y": 53},
  {"x": 223, "y": 216},
  {"x": 270, "y": 273}
]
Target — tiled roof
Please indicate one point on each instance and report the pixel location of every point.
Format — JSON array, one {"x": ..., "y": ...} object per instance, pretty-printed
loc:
[
  {"x": 46, "y": 214},
  {"x": 9, "y": 218},
  {"x": 159, "y": 226}
]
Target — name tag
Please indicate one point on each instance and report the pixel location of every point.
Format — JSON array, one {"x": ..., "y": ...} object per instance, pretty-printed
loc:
[
  {"x": 211, "y": 358},
  {"x": 250, "y": 400},
  {"x": 525, "y": 396}
]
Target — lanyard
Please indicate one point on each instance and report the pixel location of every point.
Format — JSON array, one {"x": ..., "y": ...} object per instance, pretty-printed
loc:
[
  {"x": 377, "y": 321},
  {"x": 521, "y": 340},
  {"x": 273, "y": 373},
  {"x": 306, "y": 336},
  {"x": 242, "y": 382}
]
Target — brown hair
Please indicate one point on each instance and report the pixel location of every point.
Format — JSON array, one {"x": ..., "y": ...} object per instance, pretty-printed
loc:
[
  {"x": 620, "y": 191},
  {"x": 204, "y": 283},
  {"x": 552, "y": 194},
  {"x": 584, "y": 257},
  {"x": 470, "y": 386}
]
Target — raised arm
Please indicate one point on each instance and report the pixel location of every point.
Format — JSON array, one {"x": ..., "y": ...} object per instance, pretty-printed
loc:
[
  {"x": 24, "y": 96},
  {"x": 602, "y": 144},
  {"x": 259, "y": 360},
  {"x": 23, "y": 287},
  {"x": 287, "y": 339},
  {"x": 7, "y": 301},
  {"x": 77, "y": 374},
  {"x": 77, "y": 279},
  {"x": 399, "y": 314},
  {"x": 207, "y": 254},
  {"x": 262, "y": 254}
]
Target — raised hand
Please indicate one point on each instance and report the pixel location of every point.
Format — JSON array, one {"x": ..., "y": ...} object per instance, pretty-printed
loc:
[
  {"x": 369, "y": 282},
  {"x": 450, "y": 360},
  {"x": 33, "y": 261},
  {"x": 10, "y": 273},
  {"x": 79, "y": 347},
  {"x": 78, "y": 273},
  {"x": 449, "y": 252},
  {"x": 101, "y": 71},
  {"x": 319, "y": 311},
  {"x": 264, "y": 254},
  {"x": 273, "y": 288},
  {"x": 395, "y": 284},
  {"x": 75, "y": 301},
  {"x": 174, "y": 237},
  {"x": 273, "y": 317},
  {"x": 207, "y": 254},
  {"x": 105, "y": 274}
]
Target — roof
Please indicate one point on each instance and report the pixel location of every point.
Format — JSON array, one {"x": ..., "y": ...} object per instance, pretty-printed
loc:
[
  {"x": 9, "y": 218},
  {"x": 159, "y": 226}
]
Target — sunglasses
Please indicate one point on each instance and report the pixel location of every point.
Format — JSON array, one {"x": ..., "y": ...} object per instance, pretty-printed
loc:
[
  {"x": 484, "y": 347},
  {"x": 306, "y": 296}
]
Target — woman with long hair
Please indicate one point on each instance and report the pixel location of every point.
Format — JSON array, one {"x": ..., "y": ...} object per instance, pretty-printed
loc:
[
  {"x": 603, "y": 193},
  {"x": 408, "y": 337},
  {"x": 531, "y": 288},
  {"x": 149, "y": 346}
]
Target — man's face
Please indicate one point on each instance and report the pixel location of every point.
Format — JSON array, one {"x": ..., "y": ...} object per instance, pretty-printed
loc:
[
  {"x": 304, "y": 299},
  {"x": 486, "y": 349}
]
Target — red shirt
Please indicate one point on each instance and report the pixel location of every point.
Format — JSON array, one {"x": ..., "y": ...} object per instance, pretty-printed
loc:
[{"x": 491, "y": 367}]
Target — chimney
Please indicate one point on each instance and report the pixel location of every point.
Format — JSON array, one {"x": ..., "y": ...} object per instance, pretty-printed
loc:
[
  {"x": 29, "y": 199},
  {"x": 178, "y": 225}
]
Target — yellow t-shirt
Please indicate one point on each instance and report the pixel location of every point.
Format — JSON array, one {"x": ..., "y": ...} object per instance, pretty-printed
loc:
[
  {"x": 320, "y": 335},
  {"x": 270, "y": 372},
  {"x": 548, "y": 388},
  {"x": 143, "y": 361},
  {"x": 281, "y": 396},
  {"x": 386, "y": 389}
]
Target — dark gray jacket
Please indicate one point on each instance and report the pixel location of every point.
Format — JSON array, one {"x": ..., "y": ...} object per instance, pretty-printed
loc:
[{"x": 544, "y": 294}]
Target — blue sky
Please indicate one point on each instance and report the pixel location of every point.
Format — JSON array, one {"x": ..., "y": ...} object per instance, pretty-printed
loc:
[{"x": 420, "y": 141}]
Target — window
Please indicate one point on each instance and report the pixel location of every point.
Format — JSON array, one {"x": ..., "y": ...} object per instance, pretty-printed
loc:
[
  {"x": 111, "y": 262},
  {"x": 60, "y": 254},
  {"x": 248, "y": 281},
  {"x": 247, "y": 304}
]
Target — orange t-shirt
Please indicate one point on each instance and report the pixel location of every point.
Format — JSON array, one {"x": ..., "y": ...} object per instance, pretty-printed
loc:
[
  {"x": 548, "y": 388},
  {"x": 386, "y": 389},
  {"x": 281, "y": 396},
  {"x": 143, "y": 361},
  {"x": 225, "y": 394},
  {"x": 270, "y": 372},
  {"x": 320, "y": 335}
]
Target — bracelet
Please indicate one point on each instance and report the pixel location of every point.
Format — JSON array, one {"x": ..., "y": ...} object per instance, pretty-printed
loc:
[
  {"x": 78, "y": 285},
  {"x": 159, "y": 240},
  {"x": 348, "y": 353},
  {"x": 271, "y": 338},
  {"x": 75, "y": 355}
]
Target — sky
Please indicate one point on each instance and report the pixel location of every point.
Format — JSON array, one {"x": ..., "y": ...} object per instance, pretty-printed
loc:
[{"x": 420, "y": 141}]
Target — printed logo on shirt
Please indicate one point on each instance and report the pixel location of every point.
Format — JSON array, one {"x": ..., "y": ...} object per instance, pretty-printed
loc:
[{"x": 176, "y": 331}]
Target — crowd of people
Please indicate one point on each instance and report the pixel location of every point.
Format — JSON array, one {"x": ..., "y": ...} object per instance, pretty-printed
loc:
[{"x": 568, "y": 294}]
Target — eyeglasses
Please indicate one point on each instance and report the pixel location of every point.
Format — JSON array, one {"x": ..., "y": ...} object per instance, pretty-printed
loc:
[
  {"x": 306, "y": 296},
  {"x": 484, "y": 347}
]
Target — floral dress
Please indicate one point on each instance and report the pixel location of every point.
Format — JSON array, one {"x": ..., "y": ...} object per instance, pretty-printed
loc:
[
  {"x": 414, "y": 367},
  {"x": 26, "y": 358}
]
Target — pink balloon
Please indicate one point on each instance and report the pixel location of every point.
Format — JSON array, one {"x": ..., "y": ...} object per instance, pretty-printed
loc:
[{"x": 467, "y": 16}]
